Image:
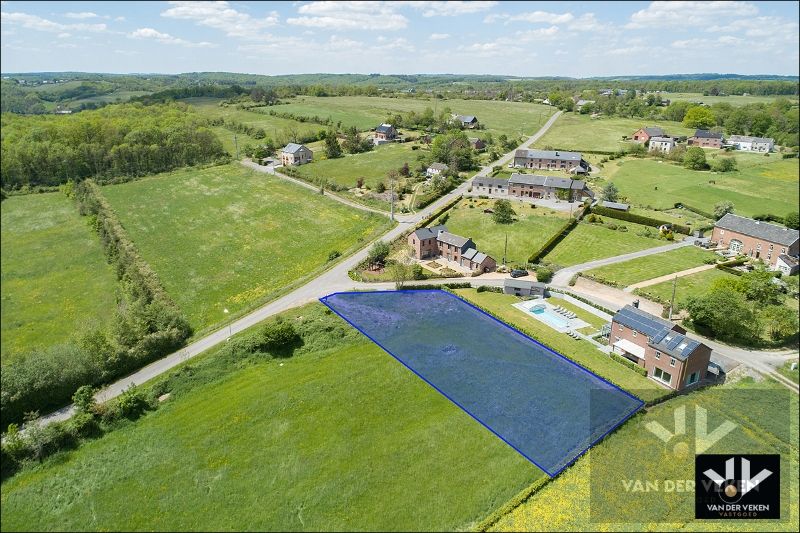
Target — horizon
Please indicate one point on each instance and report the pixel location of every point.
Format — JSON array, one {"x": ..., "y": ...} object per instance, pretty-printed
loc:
[{"x": 577, "y": 40}]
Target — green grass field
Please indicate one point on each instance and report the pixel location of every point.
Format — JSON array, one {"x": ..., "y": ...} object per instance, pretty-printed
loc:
[
  {"x": 580, "y": 351},
  {"x": 581, "y": 132},
  {"x": 229, "y": 237},
  {"x": 761, "y": 185},
  {"x": 787, "y": 371},
  {"x": 513, "y": 119},
  {"x": 687, "y": 286},
  {"x": 340, "y": 438},
  {"x": 652, "y": 266},
  {"x": 587, "y": 242},
  {"x": 372, "y": 166},
  {"x": 590, "y": 495},
  {"x": 674, "y": 215},
  {"x": 734, "y": 100},
  {"x": 55, "y": 279},
  {"x": 531, "y": 230}
]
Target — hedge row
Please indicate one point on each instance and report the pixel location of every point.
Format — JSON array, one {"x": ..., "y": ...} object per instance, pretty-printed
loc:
[
  {"x": 695, "y": 210},
  {"x": 629, "y": 364},
  {"x": 420, "y": 287},
  {"x": 145, "y": 326},
  {"x": 639, "y": 219},
  {"x": 552, "y": 241},
  {"x": 584, "y": 300}
]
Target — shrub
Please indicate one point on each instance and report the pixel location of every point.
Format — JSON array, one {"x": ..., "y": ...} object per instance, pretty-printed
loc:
[
  {"x": 280, "y": 338},
  {"x": 83, "y": 399},
  {"x": 544, "y": 274},
  {"x": 334, "y": 254}
]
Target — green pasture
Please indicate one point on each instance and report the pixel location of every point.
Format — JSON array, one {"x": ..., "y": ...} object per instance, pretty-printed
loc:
[{"x": 652, "y": 266}]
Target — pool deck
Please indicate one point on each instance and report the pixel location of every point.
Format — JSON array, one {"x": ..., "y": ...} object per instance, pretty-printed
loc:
[{"x": 573, "y": 324}]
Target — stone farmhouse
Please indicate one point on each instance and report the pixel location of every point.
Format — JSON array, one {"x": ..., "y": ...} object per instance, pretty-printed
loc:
[
  {"x": 756, "y": 239},
  {"x": 385, "y": 133},
  {"x": 705, "y": 139},
  {"x": 296, "y": 154},
  {"x": 490, "y": 186},
  {"x": 661, "y": 144},
  {"x": 430, "y": 243},
  {"x": 436, "y": 169},
  {"x": 547, "y": 187},
  {"x": 660, "y": 347},
  {"x": 550, "y": 160},
  {"x": 643, "y": 135},
  {"x": 751, "y": 144}
]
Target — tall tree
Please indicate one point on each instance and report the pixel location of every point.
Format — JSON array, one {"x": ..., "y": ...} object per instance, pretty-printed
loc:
[{"x": 699, "y": 117}]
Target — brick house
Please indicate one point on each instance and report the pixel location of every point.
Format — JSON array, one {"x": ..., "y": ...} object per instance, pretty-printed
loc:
[
  {"x": 660, "y": 347},
  {"x": 487, "y": 186},
  {"x": 661, "y": 144},
  {"x": 643, "y": 135},
  {"x": 385, "y": 133},
  {"x": 550, "y": 160},
  {"x": 756, "y": 239},
  {"x": 430, "y": 243},
  {"x": 296, "y": 154},
  {"x": 547, "y": 187},
  {"x": 752, "y": 144},
  {"x": 705, "y": 139}
]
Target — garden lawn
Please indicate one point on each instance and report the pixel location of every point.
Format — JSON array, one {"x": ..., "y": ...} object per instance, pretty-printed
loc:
[
  {"x": 582, "y": 133},
  {"x": 344, "y": 438},
  {"x": 761, "y": 185},
  {"x": 652, "y": 266},
  {"x": 372, "y": 166},
  {"x": 687, "y": 286},
  {"x": 55, "y": 279},
  {"x": 582, "y": 352},
  {"x": 787, "y": 371},
  {"x": 531, "y": 230},
  {"x": 231, "y": 238},
  {"x": 590, "y": 495},
  {"x": 587, "y": 242},
  {"x": 513, "y": 119}
]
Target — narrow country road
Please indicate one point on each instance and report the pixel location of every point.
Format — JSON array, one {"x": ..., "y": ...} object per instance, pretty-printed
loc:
[{"x": 333, "y": 280}]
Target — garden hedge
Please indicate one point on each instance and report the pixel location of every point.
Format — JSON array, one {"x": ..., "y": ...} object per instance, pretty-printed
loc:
[{"x": 639, "y": 219}]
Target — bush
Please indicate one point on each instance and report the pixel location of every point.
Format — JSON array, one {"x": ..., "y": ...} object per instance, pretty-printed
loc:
[
  {"x": 279, "y": 338},
  {"x": 629, "y": 364},
  {"x": 543, "y": 274},
  {"x": 637, "y": 219},
  {"x": 83, "y": 399},
  {"x": 334, "y": 254}
]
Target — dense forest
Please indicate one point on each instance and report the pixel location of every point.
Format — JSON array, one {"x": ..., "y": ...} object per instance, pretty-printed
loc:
[{"x": 119, "y": 141}]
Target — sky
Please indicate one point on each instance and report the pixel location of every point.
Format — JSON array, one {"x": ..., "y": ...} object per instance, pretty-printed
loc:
[{"x": 575, "y": 39}]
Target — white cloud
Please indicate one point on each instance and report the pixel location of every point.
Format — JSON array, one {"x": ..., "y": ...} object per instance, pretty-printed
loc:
[
  {"x": 37, "y": 23},
  {"x": 439, "y": 36},
  {"x": 450, "y": 9},
  {"x": 64, "y": 35},
  {"x": 349, "y": 16},
  {"x": 588, "y": 23},
  {"x": 533, "y": 17},
  {"x": 724, "y": 40},
  {"x": 221, "y": 16},
  {"x": 66, "y": 45},
  {"x": 540, "y": 34},
  {"x": 82, "y": 15},
  {"x": 336, "y": 43},
  {"x": 166, "y": 38},
  {"x": 687, "y": 13},
  {"x": 128, "y": 53}
]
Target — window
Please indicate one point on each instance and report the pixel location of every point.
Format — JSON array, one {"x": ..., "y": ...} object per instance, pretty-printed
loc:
[
  {"x": 783, "y": 250},
  {"x": 658, "y": 354},
  {"x": 694, "y": 377},
  {"x": 413, "y": 241},
  {"x": 758, "y": 246},
  {"x": 616, "y": 338},
  {"x": 621, "y": 327},
  {"x": 634, "y": 333},
  {"x": 662, "y": 376},
  {"x": 671, "y": 361},
  {"x": 770, "y": 247}
]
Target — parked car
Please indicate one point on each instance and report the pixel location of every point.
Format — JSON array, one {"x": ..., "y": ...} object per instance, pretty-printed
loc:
[{"x": 518, "y": 273}]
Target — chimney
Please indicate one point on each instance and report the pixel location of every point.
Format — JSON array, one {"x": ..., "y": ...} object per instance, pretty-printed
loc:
[{"x": 636, "y": 304}]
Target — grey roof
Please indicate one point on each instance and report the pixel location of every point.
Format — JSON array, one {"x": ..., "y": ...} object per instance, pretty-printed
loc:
[
  {"x": 662, "y": 139},
  {"x": 747, "y": 138},
  {"x": 384, "y": 128},
  {"x": 615, "y": 205},
  {"x": 470, "y": 253},
  {"x": 759, "y": 229},
  {"x": 489, "y": 182},
  {"x": 789, "y": 260},
  {"x": 467, "y": 118},
  {"x": 549, "y": 154},
  {"x": 474, "y": 140},
  {"x": 705, "y": 134},
  {"x": 429, "y": 233},
  {"x": 522, "y": 283},
  {"x": 479, "y": 258},
  {"x": 654, "y": 131},
  {"x": 450, "y": 238},
  {"x": 293, "y": 148},
  {"x": 547, "y": 181},
  {"x": 438, "y": 166}
]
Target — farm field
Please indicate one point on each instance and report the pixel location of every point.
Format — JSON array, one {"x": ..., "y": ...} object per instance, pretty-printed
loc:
[
  {"x": 226, "y": 138},
  {"x": 513, "y": 119},
  {"x": 590, "y": 495},
  {"x": 583, "y": 133},
  {"x": 281, "y": 130},
  {"x": 372, "y": 166},
  {"x": 687, "y": 286},
  {"x": 55, "y": 279},
  {"x": 733, "y": 99},
  {"x": 761, "y": 185},
  {"x": 338, "y": 437},
  {"x": 580, "y": 351},
  {"x": 652, "y": 266},
  {"x": 675, "y": 216},
  {"x": 587, "y": 242},
  {"x": 227, "y": 237},
  {"x": 531, "y": 230}
]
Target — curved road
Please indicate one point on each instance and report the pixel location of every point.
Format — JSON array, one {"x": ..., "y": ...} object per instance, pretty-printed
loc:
[{"x": 333, "y": 280}]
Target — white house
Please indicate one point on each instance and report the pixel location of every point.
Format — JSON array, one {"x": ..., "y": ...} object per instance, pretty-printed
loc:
[
  {"x": 787, "y": 264},
  {"x": 436, "y": 169},
  {"x": 661, "y": 144},
  {"x": 296, "y": 154},
  {"x": 752, "y": 144}
]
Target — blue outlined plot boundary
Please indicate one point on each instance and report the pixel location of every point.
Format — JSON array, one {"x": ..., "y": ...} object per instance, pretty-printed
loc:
[{"x": 531, "y": 397}]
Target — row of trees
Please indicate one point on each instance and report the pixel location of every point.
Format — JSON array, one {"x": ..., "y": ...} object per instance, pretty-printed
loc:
[{"x": 120, "y": 141}]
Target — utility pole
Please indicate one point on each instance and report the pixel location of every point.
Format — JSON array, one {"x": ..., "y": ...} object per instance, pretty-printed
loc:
[
  {"x": 505, "y": 249},
  {"x": 391, "y": 198},
  {"x": 672, "y": 301},
  {"x": 236, "y": 143}
]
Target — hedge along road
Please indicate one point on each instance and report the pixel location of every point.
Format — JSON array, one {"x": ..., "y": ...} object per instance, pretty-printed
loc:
[{"x": 332, "y": 280}]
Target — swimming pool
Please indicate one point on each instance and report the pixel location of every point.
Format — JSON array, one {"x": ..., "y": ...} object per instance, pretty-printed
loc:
[{"x": 546, "y": 315}]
